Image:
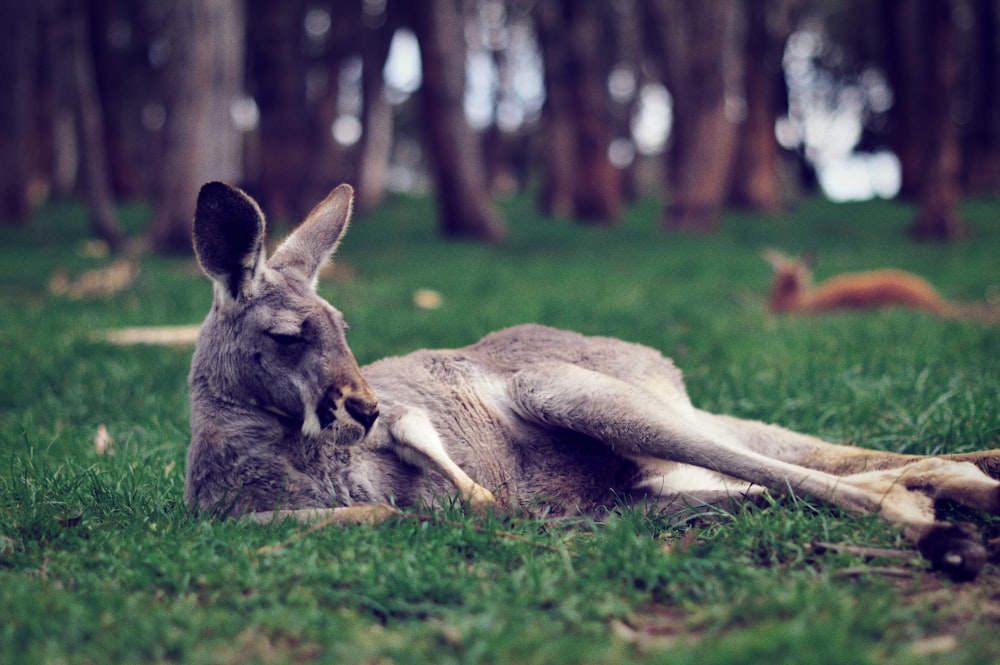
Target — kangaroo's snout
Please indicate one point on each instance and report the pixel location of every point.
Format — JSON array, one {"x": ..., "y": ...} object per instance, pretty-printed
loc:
[
  {"x": 364, "y": 409},
  {"x": 360, "y": 404}
]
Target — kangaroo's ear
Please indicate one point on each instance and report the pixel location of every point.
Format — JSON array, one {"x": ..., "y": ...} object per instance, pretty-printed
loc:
[
  {"x": 775, "y": 259},
  {"x": 309, "y": 247},
  {"x": 229, "y": 239}
]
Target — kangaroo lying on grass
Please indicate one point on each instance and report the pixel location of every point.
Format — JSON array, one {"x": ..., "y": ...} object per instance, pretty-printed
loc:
[
  {"x": 285, "y": 423},
  {"x": 792, "y": 290}
]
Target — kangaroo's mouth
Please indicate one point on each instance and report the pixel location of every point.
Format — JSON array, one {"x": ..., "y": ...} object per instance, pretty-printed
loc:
[{"x": 326, "y": 410}]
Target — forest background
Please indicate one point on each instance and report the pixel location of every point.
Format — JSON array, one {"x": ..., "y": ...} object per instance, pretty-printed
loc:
[{"x": 709, "y": 105}]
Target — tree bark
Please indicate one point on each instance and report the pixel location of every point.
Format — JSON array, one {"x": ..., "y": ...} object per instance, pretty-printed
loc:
[
  {"x": 904, "y": 59},
  {"x": 124, "y": 85},
  {"x": 981, "y": 141},
  {"x": 324, "y": 160},
  {"x": 597, "y": 195},
  {"x": 89, "y": 116},
  {"x": 277, "y": 68},
  {"x": 580, "y": 180},
  {"x": 18, "y": 54},
  {"x": 377, "y": 120},
  {"x": 201, "y": 142},
  {"x": 465, "y": 208},
  {"x": 703, "y": 70},
  {"x": 556, "y": 197},
  {"x": 757, "y": 172},
  {"x": 937, "y": 214}
]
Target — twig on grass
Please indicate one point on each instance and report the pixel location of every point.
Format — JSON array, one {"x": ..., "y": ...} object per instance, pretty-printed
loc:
[
  {"x": 865, "y": 552},
  {"x": 394, "y": 512},
  {"x": 885, "y": 571}
]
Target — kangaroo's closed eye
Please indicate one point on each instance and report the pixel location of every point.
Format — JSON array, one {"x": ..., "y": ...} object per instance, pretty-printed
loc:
[{"x": 286, "y": 339}]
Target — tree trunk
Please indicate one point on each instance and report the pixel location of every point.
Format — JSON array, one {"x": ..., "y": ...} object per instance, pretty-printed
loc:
[
  {"x": 277, "y": 68},
  {"x": 465, "y": 208},
  {"x": 377, "y": 121},
  {"x": 904, "y": 60},
  {"x": 559, "y": 156},
  {"x": 201, "y": 143},
  {"x": 324, "y": 163},
  {"x": 981, "y": 141},
  {"x": 122, "y": 74},
  {"x": 18, "y": 55},
  {"x": 597, "y": 196},
  {"x": 580, "y": 180},
  {"x": 89, "y": 117},
  {"x": 757, "y": 172},
  {"x": 937, "y": 214},
  {"x": 696, "y": 42}
]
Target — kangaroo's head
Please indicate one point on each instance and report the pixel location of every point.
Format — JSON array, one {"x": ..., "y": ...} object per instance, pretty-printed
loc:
[
  {"x": 791, "y": 282},
  {"x": 270, "y": 342}
]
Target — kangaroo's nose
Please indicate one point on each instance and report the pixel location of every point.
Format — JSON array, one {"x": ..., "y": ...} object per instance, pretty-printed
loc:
[{"x": 363, "y": 410}]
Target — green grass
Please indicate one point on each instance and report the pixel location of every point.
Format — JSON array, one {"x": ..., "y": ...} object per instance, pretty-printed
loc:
[{"x": 101, "y": 563}]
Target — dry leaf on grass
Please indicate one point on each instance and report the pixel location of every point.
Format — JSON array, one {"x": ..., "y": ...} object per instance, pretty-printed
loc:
[
  {"x": 933, "y": 646},
  {"x": 185, "y": 335},
  {"x": 103, "y": 441},
  {"x": 98, "y": 283},
  {"x": 427, "y": 299}
]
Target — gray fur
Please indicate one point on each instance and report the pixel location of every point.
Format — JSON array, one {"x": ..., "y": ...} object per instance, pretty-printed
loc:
[{"x": 283, "y": 419}]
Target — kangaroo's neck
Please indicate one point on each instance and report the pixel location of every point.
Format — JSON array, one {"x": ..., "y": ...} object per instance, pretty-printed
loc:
[{"x": 265, "y": 459}]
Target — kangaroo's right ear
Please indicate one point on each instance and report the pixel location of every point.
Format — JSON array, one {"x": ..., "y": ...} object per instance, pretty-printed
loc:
[{"x": 229, "y": 239}]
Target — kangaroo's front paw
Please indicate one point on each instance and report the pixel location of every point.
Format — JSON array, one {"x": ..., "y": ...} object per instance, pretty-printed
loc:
[
  {"x": 480, "y": 498},
  {"x": 955, "y": 549}
]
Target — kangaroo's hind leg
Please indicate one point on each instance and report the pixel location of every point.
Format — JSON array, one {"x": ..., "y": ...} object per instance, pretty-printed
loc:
[
  {"x": 640, "y": 424},
  {"x": 963, "y": 478}
]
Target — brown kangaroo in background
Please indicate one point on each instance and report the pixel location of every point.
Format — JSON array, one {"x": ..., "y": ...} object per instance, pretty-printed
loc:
[
  {"x": 792, "y": 290},
  {"x": 285, "y": 424}
]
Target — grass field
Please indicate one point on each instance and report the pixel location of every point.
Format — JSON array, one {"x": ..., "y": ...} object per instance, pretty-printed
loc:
[{"x": 100, "y": 562}]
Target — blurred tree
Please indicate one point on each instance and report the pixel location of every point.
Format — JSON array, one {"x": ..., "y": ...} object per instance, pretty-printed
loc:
[
  {"x": 78, "y": 65},
  {"x": 696, "y": 45},
  {"x": 18, "y": 55},
  {"x": 578, "y": 51},
  {"x": 324, "y": 162},
  {"x": 377, "y": 30},
  {"x": 625, "y": 81},
  {"x": 937, "y": 213},
  {"x": 921, "y": 59},
  {"x": 898, "y": 48},
  {"x": 981, "y": 138},
  {"x": 558, "y": 159},
  {"x": 205, "y": 75},
  {"x": 277, "y": 75},
  {"x": 119, "y": 41},
  {"x": 756, "y": 175},
  {"x": 464, "y": 205}
]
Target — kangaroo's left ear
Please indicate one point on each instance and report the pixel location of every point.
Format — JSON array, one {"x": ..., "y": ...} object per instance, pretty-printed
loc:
[
  {"x": 316, "y": 239},
  {"x": 775, "y": 259},
  {"x": 229, "y": 239}
]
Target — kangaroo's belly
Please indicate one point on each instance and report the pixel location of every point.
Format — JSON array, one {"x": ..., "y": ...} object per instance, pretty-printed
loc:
[{"x": 519, "y": 461}]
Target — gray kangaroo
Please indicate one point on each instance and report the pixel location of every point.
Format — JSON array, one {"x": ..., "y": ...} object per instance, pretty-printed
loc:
[{"x": 285, "y": 424}]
